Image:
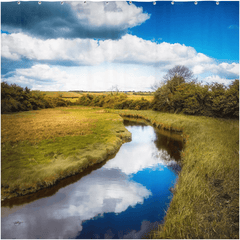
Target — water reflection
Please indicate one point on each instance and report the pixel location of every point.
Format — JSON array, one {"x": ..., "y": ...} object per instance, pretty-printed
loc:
[{"x": 125, "y": 198}]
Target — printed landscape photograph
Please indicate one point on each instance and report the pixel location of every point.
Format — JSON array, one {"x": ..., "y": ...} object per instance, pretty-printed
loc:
[{"x": 120, "y": 119}]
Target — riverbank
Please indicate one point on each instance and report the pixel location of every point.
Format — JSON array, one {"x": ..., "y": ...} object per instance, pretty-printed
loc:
[
  {"x": 205, "y": 202},
  {"x": 41, "y": 147}
]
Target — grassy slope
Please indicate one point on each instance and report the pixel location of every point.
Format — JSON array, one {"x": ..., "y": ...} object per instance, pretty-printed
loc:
[
  {"x": 41, "y": 147},
  {"x": 205, "y": 203}
]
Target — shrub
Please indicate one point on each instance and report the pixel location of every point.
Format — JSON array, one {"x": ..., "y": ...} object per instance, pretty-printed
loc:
[
  {"x": 14, "y": 99},
  {"x": 215, "y": 100}
]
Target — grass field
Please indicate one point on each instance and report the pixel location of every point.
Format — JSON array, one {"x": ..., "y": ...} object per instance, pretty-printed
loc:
[
  {"x": 139, "y": 97},
  {"x": 40, "y": 147},
  {"x": 60, "y": 94},
  {"x": 205, "y": 202},
  {"x": 73, "y": 96}
]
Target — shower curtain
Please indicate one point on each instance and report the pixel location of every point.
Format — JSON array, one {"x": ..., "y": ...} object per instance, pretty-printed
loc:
[{"x": 61, "y": 61}]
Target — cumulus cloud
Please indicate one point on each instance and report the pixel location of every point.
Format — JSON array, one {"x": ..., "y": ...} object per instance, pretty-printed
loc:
[
  {"x": 117, "y": 14},
  {"x": 128, "y": 49},
  {"x": 72, "y": 19},
  {"x": 216, "y": 78},
  {"x": 37, "y": 77},
  {"x": 46, "y": 78},
  {"x": 222, "y": 70},
  {"x": 43, "y": 72}
]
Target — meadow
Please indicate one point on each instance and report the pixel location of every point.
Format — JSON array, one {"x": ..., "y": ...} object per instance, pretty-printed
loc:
[
  {"x": 205, "y": 200},
  {"x": 43, "y": 146},
  {"x": 73, "y": 96}
]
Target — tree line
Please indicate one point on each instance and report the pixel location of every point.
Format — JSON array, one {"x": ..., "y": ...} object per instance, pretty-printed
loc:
[
  {"x": 15, "y": 98},
  {"x": 179, "y": 92},
  {"x": 116, "y": 101}
]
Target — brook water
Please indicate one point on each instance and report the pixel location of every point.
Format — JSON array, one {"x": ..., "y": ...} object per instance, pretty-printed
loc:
[{"x": 125, "y": 197}]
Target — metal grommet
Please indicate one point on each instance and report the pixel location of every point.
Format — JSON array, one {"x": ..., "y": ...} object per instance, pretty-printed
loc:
[
  {"x": 106, "y": 3},
  {"x": 18, "y": 2},
  {"x": 217, "y": 2},
  {"x": 172, "y": 2},
  {"x": 154, "y": 3},
  {"x": 195, "y": 2},
  {"x": 85, "y": 2},
  {"x": 61, "y": 3},
  {"x": 130, "y": 2},
  {"x": 39, "y": 2}
]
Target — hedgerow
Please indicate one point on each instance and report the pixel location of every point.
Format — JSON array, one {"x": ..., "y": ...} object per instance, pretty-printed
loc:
[
  {"x": 192, "y": 98},
  {"x": 15, "y": 98}
]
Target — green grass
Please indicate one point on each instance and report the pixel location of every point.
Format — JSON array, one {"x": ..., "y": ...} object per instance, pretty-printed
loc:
[
  {"x": 41, "y": 147},
  {"x": 205, "y": 202}
]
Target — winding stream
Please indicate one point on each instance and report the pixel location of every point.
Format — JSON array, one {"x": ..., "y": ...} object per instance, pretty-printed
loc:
[{"x": 125, "y": 197}]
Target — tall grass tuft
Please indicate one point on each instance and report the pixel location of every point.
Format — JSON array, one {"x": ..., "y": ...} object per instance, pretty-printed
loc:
[{"x": 205, "y": 203}]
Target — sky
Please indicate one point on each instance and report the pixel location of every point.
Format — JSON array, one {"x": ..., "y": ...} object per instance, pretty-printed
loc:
[{"x": 96, "y": 46}]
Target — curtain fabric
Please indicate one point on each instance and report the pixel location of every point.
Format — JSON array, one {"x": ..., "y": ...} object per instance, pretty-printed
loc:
[{"x": 167, "y": 56}]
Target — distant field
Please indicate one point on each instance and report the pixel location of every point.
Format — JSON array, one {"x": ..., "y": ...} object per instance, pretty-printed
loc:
[
  {"x": 60, "y": 94},
  {"x": 73, "y": 96},
  {"x": 138, "y": 97}
]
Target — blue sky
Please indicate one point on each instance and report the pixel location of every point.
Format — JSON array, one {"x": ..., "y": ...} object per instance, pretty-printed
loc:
[{"x": 97, "y": 45}]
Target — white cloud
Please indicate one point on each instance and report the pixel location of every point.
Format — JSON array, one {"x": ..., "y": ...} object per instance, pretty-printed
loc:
[
  {"x": 215, "y": 78},
  {"x": 43, "y": 72},
  {"x": 218, "y": 71},
  {"x": 75, "y": 19},
  {"x": 43, "y": 77},
  {"x": 117, "y": 15},
  {"x": 19, "y": 45},
  {"x": 128, "y": 49},
  {"x": 228, "y": 70}
]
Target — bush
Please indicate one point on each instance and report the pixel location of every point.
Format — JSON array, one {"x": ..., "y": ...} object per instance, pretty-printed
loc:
[
  {"x": 192, "y": 98},
  {"x": 117, "y": 101},
  {"x": 14, "y": 99},
  {"x": 231, "y": 101}
]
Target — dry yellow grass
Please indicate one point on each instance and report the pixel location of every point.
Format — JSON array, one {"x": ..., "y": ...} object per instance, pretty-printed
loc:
[
  {"x": 139, "y": 97},
  {"x": 44, "y": 124},
  {"x": 40, "y": 147},
  {"x": 60, "y": 93}
]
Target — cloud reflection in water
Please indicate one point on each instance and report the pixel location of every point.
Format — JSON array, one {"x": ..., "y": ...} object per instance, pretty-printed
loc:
[{"x": 110, "y": 189}]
